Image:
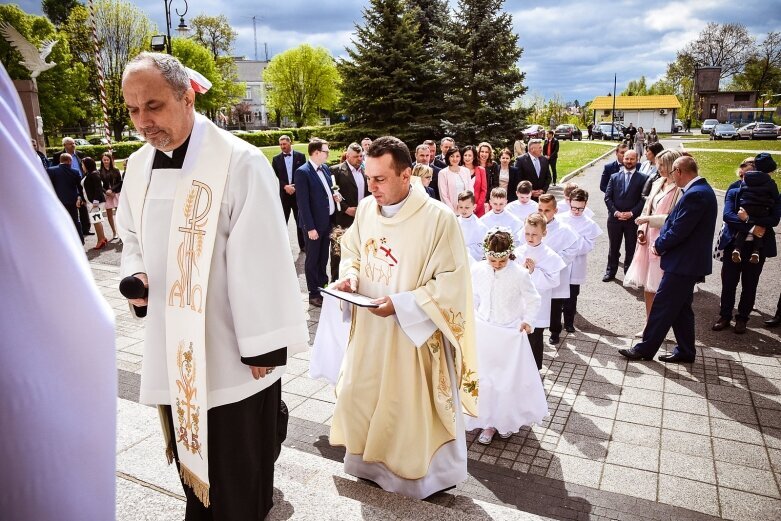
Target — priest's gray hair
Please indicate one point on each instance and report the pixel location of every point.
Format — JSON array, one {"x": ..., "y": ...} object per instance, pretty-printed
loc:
[{"x": 171, "y": 68}]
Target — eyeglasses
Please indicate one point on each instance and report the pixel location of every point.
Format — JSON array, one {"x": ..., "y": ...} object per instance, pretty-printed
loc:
[
  {"x": 325, "y": 150},
  {"x": 577, "y": 208}
]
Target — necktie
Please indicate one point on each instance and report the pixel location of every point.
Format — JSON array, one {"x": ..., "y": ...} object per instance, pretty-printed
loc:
[
  {"x": 537, "y": 166},
  {"x": 626, "y": 181}
]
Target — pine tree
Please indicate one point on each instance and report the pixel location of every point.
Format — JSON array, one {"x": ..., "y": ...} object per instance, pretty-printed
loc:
[
  {"x": 388, "y": 78},
  {"x": 480, "y": 55}
]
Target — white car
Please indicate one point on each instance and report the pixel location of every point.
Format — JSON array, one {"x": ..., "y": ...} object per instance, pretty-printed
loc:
[
  {"x": 678, "y": 125},
  {"x": 744, "y": 132},
  {"x": 708, "y": 124}
]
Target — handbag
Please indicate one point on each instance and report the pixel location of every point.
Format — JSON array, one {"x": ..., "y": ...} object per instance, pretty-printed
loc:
[{"x": 717, "y": 253}]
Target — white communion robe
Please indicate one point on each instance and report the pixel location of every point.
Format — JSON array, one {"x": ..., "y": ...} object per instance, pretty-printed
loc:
[
  {"x": 492, "y": 219},
  {"x": 566, "y": 243},
  {"x": 522, "y": 210},
  {"x": 545, "y": 276},
  {"x": 474, "y": 230},
  {"x": 242, "y": 318},
  {"x": 588, "y": 231},
  {"x": 511, "y": 392},
  {"x": 563, "y": 209},
  {"x": 58, "y": 375}
]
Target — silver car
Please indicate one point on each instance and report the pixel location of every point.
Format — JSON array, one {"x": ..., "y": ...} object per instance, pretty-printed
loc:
[
  {"x": 724, "y": 131},
  {"x": 744, "y": 132},
  {"x": 707, "y": 125}
]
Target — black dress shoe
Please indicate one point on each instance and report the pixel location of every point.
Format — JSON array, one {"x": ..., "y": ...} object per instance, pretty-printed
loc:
[
  {"x": 740, "y": 327},
  {"x": 721, "y": 323},
  {"x": 554, "y": 339},
  {"x": 570, "y": 329},
  {"x": 608, "y": 277},
  {"x": 675, "y": 359},
  {"x": 773, "y": 322},
  {"x": 634, "y": 355},
  {"x": 316, "y": 301}
]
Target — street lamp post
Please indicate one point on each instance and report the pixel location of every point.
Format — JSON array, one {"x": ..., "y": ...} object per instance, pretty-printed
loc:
[{"x": 182, "y": 28}]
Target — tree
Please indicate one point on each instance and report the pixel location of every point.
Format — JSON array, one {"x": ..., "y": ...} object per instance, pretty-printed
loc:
[
  {"x": 388, "y": 78},
  {"x": 636, "y": 88},
  {"x": 215, "y": 33},
  {"x": 481, "y": 53},
  {"x": 722, "y": 45},
  {"x": 680, "y": 75},
  {"x": 58, "y": 10},
  {"x": 301, "y": 81},
  {"x": 60, "y": 89},
  {"x": 762, "y": 72},
  {"x": 123, "y": 31}
]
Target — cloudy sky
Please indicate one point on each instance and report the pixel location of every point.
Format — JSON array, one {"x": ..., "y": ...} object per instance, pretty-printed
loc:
[{"x": 572, "y": 48}]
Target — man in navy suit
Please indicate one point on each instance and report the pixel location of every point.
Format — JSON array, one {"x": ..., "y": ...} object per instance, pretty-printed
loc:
[
  {"x": 67, "y": 186},
  {"x": 534, "y": 167},
  {"x": 285, "y": 164},
  {"x": 624, "y": 200},
  {"x": 685, "y": 247},
  {"x": 316, "y": 204},
  {"x": 612, "y": 168}
]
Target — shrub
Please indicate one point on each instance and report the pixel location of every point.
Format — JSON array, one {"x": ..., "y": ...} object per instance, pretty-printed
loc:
[{"x": 121, "y": 150}]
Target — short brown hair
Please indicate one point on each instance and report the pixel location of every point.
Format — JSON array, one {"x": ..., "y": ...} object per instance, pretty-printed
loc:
[
  {"x": 569, "y": 188},
  {"x": 548, "y": 198},
  {"x": 579, "y": 194},
  {"x": 499, "y": 193},
  {"x": 537, "y": 219},
  {"x": 466, "y": 195},
  {"x": 524, "y": 187},
  {"x": 393, "y": 146},
  {"x": 316, "y": 145}
]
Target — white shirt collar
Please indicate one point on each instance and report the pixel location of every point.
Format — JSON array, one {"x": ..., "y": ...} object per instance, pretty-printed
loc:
[
  {"x": 314, "y": 165},
  {"x": 691, "y": 183}
]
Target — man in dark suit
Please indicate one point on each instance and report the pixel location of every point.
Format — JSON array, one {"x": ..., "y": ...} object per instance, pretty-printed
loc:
[
  {"x": 423, "y": 157},
  {"x": 285, "y": 164},
  {"x": 445, "y": 144},
  {"x": 612, "y": 168},
  {"x": 67, "y": 186},
  {"x": 41, "y": 155},
  {"x": 685, "y": 247},
  {"x": 316, "y": 204},
  {"x": 624, "y": 200},
  {"x": 550, "y": 149},
  {"x": 533, "y": 167},
  {"x": 77, "y": 158},
  {"x": 351, "y": 180}
]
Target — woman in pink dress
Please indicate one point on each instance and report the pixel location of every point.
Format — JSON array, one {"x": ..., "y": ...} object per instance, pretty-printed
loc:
[{"x": 645, "y": 271}]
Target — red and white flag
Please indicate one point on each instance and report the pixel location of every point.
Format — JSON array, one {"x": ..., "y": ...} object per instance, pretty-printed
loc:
[{"x": 198, "y": 81}]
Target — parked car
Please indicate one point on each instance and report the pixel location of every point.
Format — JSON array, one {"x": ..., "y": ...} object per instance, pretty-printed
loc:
[
  {"x": 568, "y": 132},
  {"x": 724, "y": 131},
  {"x": 678, "y": 125},
  {"x": 533, "y": 132},
  {"x": 98, "y": 141},
  {"x": 133, "y": 137},
  {"x": 707, "y": 125},
  {"x": 607, "y": 131},
  {"x": 764, "y": 131},
  {"x": 744, "y": 132},
  {"x": 81, "y": 142}
]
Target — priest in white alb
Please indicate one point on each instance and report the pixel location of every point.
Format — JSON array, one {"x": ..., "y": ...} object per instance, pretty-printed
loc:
[
  {"x": 201, "y": 225},
  {"x": 410, "y": 365}
]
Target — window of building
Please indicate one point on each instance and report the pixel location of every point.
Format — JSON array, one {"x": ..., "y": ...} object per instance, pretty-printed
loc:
[
  {"x": 248, "y": 93},
  {"x": 743, "y": 97}
]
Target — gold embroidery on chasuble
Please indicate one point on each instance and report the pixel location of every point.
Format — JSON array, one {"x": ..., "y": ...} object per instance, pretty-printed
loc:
[
  {"x": 187, "y": 411},
  {"x": 196, "y": 208}
]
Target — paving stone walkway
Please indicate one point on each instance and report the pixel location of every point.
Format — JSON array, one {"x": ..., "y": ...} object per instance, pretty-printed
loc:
[{"x": 624, "y": 440}]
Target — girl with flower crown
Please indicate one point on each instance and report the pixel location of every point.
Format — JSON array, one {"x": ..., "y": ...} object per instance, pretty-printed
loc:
[{"x": 511, "y": 392}]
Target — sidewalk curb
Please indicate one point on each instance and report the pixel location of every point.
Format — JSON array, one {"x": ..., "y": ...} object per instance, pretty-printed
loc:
[
  {"x": 718, "y": 191},
  {"x": 587, "y": 165}
]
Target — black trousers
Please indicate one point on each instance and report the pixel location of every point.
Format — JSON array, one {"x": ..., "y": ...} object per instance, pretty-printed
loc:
[
  {"x": 616, "y": 232},
  {"x": 74, "y": 213},
  {"x": 535, "y": 340},
  {"x": 731, "y": 274},
  {"x": 288, "y": 208},
  {"x": 566, "y": 306},
  {"x": 672, "y": 307},
  {"x": 316, "y": 262},
  {"x": 242, "y": 444},
  {"x": 552, "y": 163},
  {"x": 335, "y": 260},
  {"x": 84, "y": 218}
]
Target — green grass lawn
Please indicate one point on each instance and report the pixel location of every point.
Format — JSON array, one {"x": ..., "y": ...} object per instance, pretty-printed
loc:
[
  {"x": 574, "y": 154},
  {"x": 333, "y": 153},
  {"x": 764, "y": 145},
  {"x": 719, "y": 167}
]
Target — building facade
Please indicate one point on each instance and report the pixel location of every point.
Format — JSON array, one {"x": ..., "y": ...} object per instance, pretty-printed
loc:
[
  {"x": 655, "y": 111},
  {"x": 250, "y": 73}
]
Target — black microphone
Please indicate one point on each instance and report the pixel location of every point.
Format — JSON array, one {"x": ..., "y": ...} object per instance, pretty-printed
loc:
[{"x": 132, "y": 287}]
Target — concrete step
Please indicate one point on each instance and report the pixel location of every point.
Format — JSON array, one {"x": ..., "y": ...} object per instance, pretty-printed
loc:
[{"x": 306, "y": 486}]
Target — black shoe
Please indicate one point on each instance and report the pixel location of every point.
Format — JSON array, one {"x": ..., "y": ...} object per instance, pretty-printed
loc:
[
  {"x": 721, "y": 324},
  {"x": 634, "y": 355},
  {"x": 570, "y": 329},
  {"x": 608, "y": 277},
  {"x": 88, "y": 233},
  {"x": 740, "y": 326},
  {"x": 316, "y": 301},
  {"x": 675, "y": 359},
  {"x": 554, "y": 339},
  {"x": 773, "y": 322}
]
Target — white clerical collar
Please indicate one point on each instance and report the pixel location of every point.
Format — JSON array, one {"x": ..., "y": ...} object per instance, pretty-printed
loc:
[
  {"x": 392, "y": 209},
  {"x": 688, "y": 185},
  {"x": 169, "y": 153}
]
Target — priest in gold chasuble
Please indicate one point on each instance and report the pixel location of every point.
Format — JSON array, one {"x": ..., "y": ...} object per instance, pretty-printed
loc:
[
  {"x": 201, "y": 225},
  {"x": 409, "y": 372}
]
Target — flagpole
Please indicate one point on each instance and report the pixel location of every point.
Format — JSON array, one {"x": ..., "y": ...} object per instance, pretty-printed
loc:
[{"x": 613, "y": 112}]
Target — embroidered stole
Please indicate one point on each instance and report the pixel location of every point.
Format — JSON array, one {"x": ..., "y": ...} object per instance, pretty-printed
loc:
[{"x": 196, "y": 211}]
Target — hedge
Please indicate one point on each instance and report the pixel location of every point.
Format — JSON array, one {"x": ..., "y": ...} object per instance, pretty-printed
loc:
[{"x": 121, "y": 150}]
